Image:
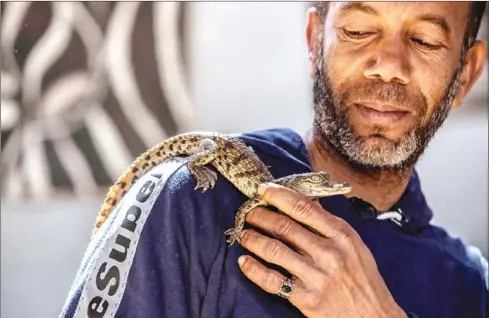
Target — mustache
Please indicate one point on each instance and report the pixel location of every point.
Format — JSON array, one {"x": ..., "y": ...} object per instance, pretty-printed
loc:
[{"x": 386, "y": 93}]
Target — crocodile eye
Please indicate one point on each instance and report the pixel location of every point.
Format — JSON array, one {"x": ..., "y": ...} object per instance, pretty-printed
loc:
[{"x": 315, "y": 178}]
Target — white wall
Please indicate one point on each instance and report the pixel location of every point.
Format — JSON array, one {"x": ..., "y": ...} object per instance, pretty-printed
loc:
[
  {"x": 248, "y": 65},
  {"x": 42, "y": 247}
]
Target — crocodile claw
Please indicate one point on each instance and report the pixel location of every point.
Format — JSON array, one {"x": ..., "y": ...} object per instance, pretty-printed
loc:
[
  {"x": 233, "y": 234},
  {"x": 206, "y": 179}
]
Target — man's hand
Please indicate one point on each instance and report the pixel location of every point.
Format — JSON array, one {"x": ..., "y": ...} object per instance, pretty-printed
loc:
[{"x": 335, "y": 273}]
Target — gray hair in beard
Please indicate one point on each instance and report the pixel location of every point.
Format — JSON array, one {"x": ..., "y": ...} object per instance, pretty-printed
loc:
[{"x": 331, "y": 120}]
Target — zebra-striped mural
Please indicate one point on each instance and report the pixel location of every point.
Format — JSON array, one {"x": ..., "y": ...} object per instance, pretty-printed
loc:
[{"x": 85, "y": 88}]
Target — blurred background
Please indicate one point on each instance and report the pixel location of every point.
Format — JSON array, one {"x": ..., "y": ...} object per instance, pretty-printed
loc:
[{"x": 88, "y": 86}]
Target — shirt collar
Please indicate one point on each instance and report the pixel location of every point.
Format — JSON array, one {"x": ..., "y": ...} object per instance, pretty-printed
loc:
[{"x": 413, "y": 204}]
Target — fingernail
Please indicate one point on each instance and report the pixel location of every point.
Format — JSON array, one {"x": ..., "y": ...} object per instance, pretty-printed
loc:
[
  {"x": 261, "y": 188},
  {"x": 241, "y": 260},
  {"x": 242, "y": 233}
]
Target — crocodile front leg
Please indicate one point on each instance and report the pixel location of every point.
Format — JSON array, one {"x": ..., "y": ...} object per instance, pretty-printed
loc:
[
  {"x": 206, "y": 178},
  {"x": 239, "y": 219}
]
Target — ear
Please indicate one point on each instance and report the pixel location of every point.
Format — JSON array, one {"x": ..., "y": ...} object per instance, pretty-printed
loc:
[
  {"x": 313, "y": 32},
  {"x": 472, "y": 70}
]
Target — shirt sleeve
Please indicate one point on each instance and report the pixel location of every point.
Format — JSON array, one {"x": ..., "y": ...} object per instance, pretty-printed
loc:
[
  {"x": 478, "y": 258},
  {"x": 153, "y": 255}
]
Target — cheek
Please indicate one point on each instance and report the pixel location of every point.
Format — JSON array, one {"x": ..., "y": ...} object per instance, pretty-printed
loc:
[
  {"x": 342, "y": 64},
  {"x": 433, "y": 87},
  {"x": 344, "y": 67},
  {"x": 343, "y": 72}
]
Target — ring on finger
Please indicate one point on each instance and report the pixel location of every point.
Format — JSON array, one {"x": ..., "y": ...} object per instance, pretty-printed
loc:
[{"x": 286, "y": 288}]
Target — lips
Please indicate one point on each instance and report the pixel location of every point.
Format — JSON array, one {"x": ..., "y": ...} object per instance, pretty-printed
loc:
[
  {"x": 383, "y": 108},
  {"x": 381, "y": 114}
]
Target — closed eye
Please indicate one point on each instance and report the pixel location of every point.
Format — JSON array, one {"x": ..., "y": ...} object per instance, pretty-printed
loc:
[
  {"x": 426, "y": 45},
  {"x": 357, "y": 35}
]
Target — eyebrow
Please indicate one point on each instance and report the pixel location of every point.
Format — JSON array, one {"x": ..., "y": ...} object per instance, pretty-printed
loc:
[
  {"x": 430, "y": 18},
  {"x": 358, "y": 6},
  {"x": 437, "y": 20}
]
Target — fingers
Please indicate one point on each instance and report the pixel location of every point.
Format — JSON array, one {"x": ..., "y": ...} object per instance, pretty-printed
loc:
[
  {"x": 303, "y": 210},
  {"x": 269, "y": 280},
  {"x": 284, "y": 228},
  {"x": 276, "y": 252},
  {"x": 314, "y": 248}
]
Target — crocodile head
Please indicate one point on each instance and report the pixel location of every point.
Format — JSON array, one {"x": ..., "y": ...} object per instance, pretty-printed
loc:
[{"x": 317, "y": 184}]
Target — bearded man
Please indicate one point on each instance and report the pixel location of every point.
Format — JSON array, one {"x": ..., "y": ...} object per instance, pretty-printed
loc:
[{"x": 386, "y": 75}]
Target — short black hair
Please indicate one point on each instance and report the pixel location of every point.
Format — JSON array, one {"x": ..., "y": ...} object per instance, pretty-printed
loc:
[{"x": 473, "y": 23}]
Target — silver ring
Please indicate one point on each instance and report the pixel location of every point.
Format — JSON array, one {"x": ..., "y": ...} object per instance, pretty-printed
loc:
[{"x": 287, "y": 288}]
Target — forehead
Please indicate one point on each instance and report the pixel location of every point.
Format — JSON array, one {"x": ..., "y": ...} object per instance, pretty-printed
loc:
[{"x": 454, "y": 13}]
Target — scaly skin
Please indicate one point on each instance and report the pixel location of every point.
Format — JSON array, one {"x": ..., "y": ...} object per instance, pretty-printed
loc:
[{"x": 232, "y": 158}]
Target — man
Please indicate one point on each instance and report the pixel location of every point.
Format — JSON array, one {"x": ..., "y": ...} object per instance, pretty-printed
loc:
[{"x": 385, "y": 77}]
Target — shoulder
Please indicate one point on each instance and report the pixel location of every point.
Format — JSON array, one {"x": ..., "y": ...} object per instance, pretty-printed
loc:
[
  {"x": 466, "y": 255},
  {"x": 277, "y": 141},
  {"x": 282, "y": 149},
  {"x": 281, "y": 137}
]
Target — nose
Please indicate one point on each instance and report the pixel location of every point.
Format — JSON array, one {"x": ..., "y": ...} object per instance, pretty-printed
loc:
[{"x": 389, "y": 64}]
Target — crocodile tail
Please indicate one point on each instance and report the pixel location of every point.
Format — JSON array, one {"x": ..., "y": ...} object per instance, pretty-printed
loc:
[{"x": 180, "y": 145}]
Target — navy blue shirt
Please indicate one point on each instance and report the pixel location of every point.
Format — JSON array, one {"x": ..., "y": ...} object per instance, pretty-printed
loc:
[{"x": 162, "y": 252}]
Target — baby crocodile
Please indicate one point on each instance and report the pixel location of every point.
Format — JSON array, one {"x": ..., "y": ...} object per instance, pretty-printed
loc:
[{"x": 235, "y": 160}]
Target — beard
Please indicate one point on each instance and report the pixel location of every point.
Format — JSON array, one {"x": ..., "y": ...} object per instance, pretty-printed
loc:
[{"x": 331, "y": 121}]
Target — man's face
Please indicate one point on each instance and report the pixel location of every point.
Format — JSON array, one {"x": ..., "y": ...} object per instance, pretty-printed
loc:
[{"x": 386, "y": 76}]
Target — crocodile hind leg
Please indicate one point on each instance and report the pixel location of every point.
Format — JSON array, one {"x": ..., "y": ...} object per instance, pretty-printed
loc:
[
  {"x": 206, "y": 178},
  {"x": 239, "y": 220}
]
